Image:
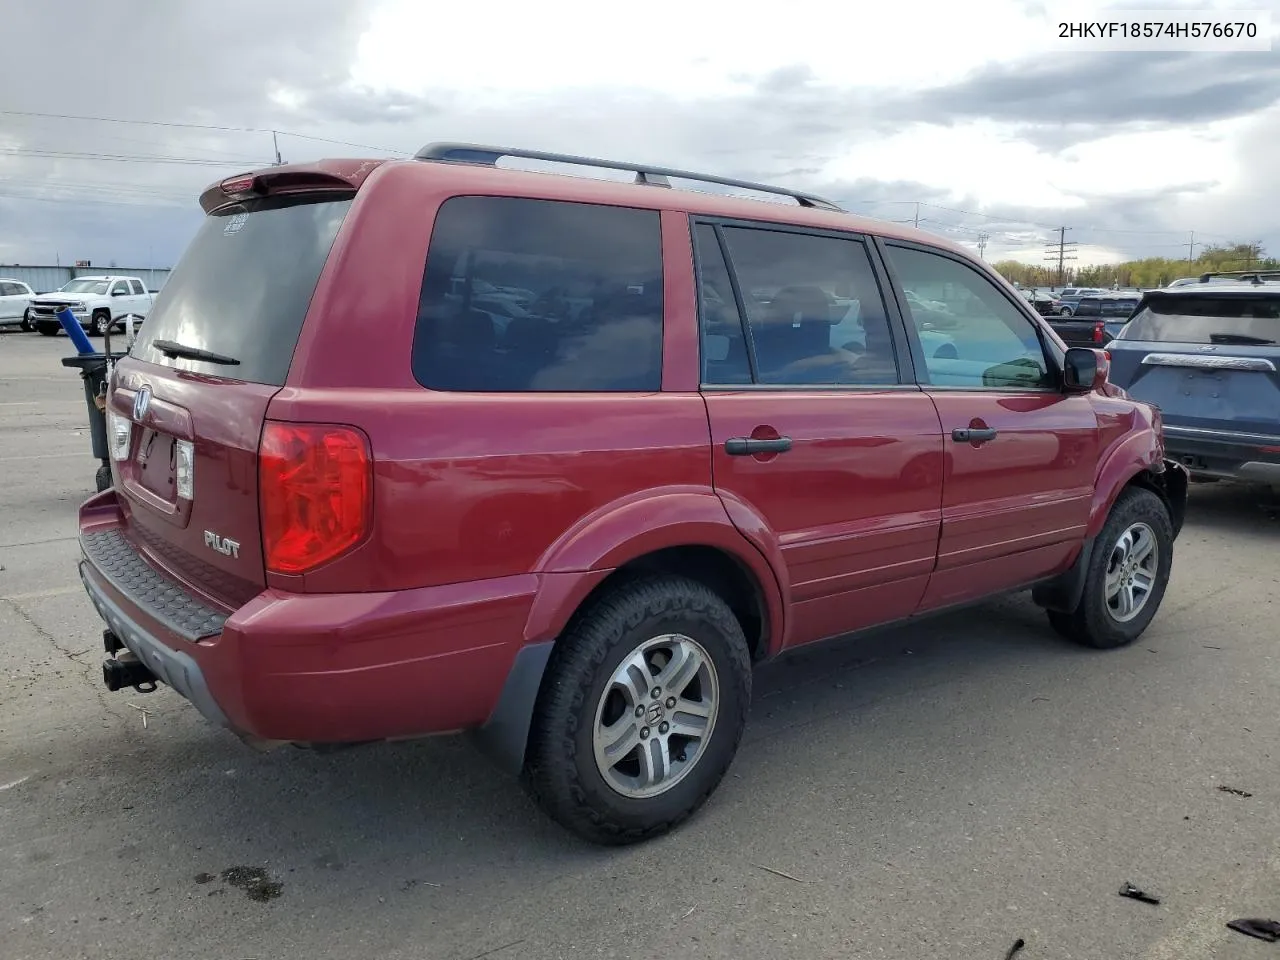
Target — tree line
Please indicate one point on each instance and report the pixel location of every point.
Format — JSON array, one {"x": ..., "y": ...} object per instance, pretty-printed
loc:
[{"x": 1143, "y": 274}]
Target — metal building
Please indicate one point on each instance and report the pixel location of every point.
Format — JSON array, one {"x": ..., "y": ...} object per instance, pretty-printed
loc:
[{"x": 48, "y": 279}]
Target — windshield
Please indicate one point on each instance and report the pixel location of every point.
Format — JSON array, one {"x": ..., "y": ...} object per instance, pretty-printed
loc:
[
  {"x": 84, "y": 286},
  {"x": 243, "y": 286},
  {"x": 1198, "y": 319}
]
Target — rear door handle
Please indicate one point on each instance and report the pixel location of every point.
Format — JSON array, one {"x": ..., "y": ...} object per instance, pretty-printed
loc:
[
  {"x": 972, "y": 434},
  {"x": 749, "y": 446}
]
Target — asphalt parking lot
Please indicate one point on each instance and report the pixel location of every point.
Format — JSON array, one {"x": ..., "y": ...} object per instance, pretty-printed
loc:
[{"x": 933, "y": 791}]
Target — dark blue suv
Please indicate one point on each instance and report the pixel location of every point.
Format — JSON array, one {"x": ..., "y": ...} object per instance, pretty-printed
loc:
[{"x": 1208, "y": 357}]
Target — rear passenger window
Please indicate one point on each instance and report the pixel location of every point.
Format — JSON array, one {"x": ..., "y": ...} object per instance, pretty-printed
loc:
[
  {"x": 137, "y": 287},
  {"x": 540, "y": 295},
  {"x": 814, "y": 312}
]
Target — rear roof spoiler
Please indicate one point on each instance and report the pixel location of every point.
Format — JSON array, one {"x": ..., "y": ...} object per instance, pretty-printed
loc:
[{"x": 338, "y": 176}]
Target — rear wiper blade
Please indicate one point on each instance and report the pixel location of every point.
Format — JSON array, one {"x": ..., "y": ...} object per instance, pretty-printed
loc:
[
  {"x": 1241, "y": 338},
  {"x": 172, "y": 349}
]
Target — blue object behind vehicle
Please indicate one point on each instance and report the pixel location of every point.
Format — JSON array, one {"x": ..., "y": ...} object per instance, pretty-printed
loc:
[
  {"x": 1209, "y": 358},
  {"x": 74, "y": 331}
]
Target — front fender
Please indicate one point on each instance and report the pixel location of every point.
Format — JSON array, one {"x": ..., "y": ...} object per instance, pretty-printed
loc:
[{"x": 1140, "y": 451}]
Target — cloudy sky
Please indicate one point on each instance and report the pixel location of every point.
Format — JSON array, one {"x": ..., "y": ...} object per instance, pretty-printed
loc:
[{"x": 973, "y": 110}]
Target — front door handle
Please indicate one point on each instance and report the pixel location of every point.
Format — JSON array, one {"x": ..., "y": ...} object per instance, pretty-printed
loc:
[
  {"x": 749, "y": 446},
  {"x": 972, "y": 434}
]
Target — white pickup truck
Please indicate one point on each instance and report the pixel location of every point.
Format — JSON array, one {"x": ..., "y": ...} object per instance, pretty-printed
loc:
[{"x": 97, "y": 302}]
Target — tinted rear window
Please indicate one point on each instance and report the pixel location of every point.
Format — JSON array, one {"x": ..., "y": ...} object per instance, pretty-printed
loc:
[
  {"x": 540, "y": 295},
  {"x": 243, "y": 286},
  {"x": 1206, "y": 319}
]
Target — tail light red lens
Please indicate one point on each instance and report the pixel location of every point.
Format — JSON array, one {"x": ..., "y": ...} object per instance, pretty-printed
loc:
[
  {"x": 1099, "y": 332},
  {"x": 316, "y": 488},
  {"x": 236, "y": 185}
]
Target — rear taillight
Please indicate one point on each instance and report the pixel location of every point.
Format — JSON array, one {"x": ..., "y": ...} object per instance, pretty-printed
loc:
[
  {"x": 316, "y": 486},
  {"x": 236, "y": 185},
  {"x": 1099, "y": 332},
  {"x": 119, "y": 432}
]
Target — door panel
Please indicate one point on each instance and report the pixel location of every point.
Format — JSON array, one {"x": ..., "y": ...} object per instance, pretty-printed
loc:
[
  {"x": 798, "y": 353},
  {"x": 1014, "y": 508},
  {"x": 855, "y": 503},
  {"x": 12, "y": 303},
  {"x": 1020, "y": 454}
]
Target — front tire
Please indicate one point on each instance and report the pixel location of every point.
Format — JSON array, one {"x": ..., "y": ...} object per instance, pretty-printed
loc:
[
  {"x": 99, "y": 322},
  {"x": 1127, "y": 577},
  {"x": 48, "y": 329},
  {"x": 26, "y": 321},
  {"x": 641, "y": 711}
]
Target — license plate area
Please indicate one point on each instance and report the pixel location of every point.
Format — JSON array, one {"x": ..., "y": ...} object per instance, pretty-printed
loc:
[{"x": 157, "y": 465}]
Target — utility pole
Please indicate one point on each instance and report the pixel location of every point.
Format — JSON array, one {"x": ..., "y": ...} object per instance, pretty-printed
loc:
[
  {"x": 275, "y": 142},
  {"x": 982, "y": 244},
  {"x": 1062, "y": 251},
  {"x": 1191, "y": 251},
  {"x": 917, "y": 220}
]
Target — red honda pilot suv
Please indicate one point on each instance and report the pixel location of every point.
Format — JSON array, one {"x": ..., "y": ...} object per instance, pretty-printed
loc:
[{"x": 434, "y": 445}]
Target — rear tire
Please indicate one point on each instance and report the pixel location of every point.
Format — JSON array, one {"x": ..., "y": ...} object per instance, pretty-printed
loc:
[
  {"x": 26, "y": 321},
  {"x": 1127, "y": 577},
  {"x": 48, "y": 329},
  {"x": 609, "y": 747},
  {"x": 102, "y": 479}
]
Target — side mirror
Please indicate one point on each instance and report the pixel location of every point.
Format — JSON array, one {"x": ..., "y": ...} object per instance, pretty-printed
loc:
[{"x": 1084, "y": 370}]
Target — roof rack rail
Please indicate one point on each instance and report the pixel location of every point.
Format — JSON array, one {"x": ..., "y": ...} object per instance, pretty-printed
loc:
[
  {"x": 1256, "y": 276},
  {"x": 645, "y": 173}
]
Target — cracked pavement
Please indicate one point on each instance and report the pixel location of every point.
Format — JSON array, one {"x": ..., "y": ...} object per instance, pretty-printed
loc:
[{"x": 939, "y": 790}]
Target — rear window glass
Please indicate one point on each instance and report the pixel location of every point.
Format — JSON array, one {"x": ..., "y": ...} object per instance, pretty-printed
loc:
[
  {"x": 1207, "y": 320},
  {"x": 1098, "y": 307},
  {"x": 243, "y": 286},
  {"x": 527, "y": 295}
]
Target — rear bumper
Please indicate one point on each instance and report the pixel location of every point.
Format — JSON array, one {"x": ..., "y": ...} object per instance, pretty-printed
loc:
[
  {"x": 312, "y": 668},
  {"x": 1230, "y": 455}
]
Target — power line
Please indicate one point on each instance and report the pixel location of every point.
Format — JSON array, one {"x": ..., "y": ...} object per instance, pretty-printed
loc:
[
  {"x": 197, "y": 126},
  {"x": 116, "y": 158},
  {"x": 1033, "y": 223},
  {"x": 90, "y": 202},
  {"x": 144, "y": 123}
]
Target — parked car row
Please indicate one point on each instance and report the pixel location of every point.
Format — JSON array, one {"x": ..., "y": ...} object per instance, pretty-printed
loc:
[{"x": 98, "y": 303}]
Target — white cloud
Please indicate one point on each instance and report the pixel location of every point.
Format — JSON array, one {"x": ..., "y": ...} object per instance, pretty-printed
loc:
[
  {"x": 974, "y": 106},
  {"x": 689, "y": 50}
]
